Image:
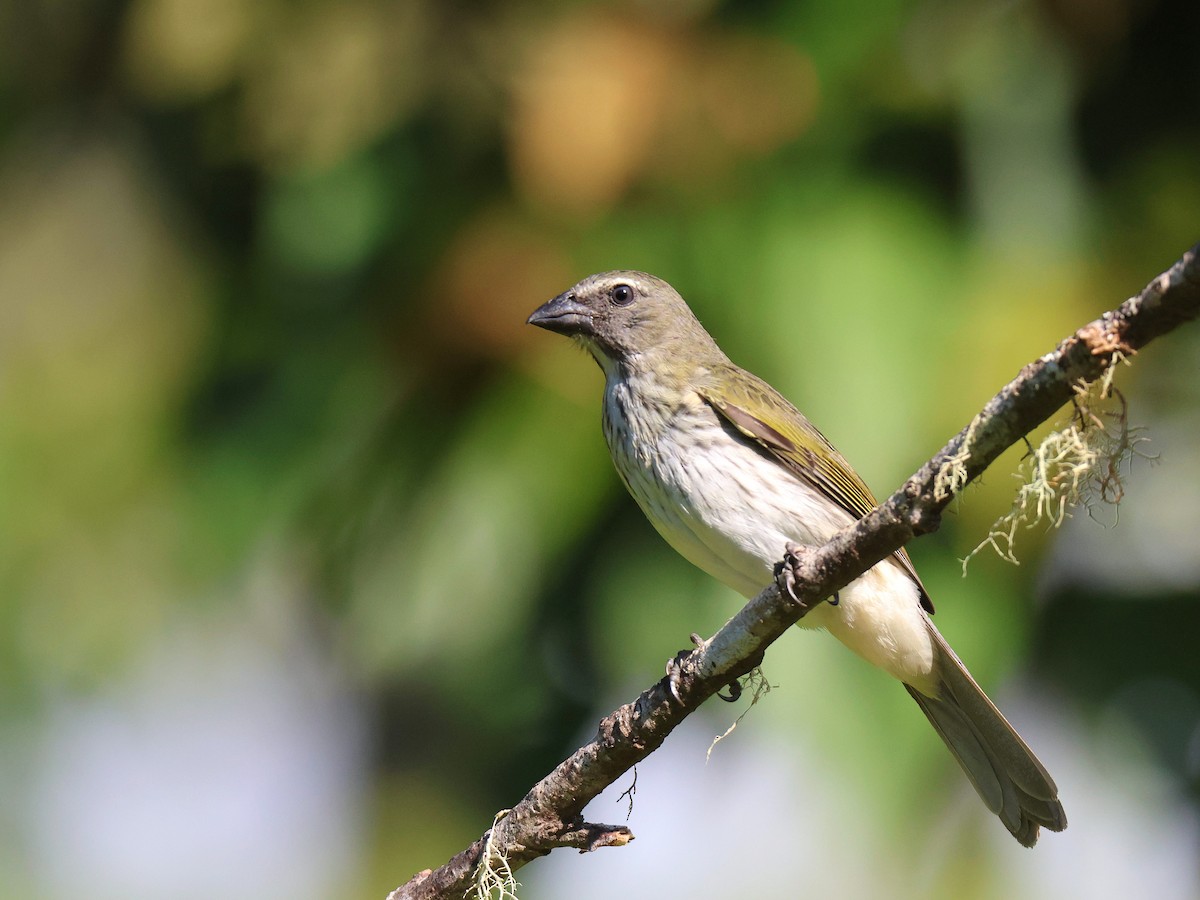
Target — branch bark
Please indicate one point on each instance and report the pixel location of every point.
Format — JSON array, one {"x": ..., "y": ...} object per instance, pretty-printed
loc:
[{"x": 551, "y": 814}]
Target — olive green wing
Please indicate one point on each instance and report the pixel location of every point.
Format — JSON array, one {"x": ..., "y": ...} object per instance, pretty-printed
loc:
[{"x": 782, "y": 431}]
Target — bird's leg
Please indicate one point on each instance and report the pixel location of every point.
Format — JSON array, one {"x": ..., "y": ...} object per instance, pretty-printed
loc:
[{"x": 787, "y": 574}]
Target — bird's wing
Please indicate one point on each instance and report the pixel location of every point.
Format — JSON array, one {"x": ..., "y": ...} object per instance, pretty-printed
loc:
[{"x": 795, "y": 444}]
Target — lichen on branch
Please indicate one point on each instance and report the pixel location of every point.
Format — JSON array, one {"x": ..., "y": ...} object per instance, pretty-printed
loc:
[{"x": 1076, "y": 465}]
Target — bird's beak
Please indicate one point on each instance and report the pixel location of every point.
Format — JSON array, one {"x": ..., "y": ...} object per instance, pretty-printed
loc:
[{"x": 564, "y": 314}]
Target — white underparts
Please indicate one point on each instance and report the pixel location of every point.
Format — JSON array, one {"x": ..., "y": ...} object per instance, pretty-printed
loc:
[{"x": 730, "y": 509}]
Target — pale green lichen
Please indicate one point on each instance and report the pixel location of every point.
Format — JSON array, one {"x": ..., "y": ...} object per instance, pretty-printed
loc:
[
  {"x": 493, "y": 877},
  {"x": 1075, "y": 465},
  {"x": 952, "y": 477}
]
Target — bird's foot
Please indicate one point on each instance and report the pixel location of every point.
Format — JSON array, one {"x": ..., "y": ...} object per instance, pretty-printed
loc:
[
  {"x": 675, "y": 667},
  {"x": 675, "y": 674},
  {"x": 787, "y": 575},
  {"x": 786, "y": 571}
]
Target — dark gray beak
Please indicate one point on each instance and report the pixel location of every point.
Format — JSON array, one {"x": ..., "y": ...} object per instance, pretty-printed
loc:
[{"x": 564, "y": 314}]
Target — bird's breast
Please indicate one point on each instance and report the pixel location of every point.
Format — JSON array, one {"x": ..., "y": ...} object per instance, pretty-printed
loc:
[{"x": 716, "y": 498}]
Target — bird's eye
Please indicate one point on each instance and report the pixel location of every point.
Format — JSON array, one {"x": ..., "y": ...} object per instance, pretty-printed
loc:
[{"x": 621, "y": 294}]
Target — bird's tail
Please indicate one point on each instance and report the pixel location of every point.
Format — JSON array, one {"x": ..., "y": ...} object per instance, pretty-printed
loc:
[{"x": 1009, "y": 778}]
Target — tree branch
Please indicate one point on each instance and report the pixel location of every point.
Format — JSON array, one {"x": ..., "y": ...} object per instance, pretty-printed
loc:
[{"x": 550, "y": 815}]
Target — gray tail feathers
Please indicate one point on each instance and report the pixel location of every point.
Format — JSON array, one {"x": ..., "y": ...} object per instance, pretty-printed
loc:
[{"x": 1009, "y": 778}]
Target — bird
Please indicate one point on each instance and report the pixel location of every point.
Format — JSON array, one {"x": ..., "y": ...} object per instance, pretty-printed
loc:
[{"x": 729, "y": 473}]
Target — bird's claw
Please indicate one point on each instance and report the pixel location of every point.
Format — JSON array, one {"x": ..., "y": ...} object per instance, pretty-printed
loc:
[
  {"x": 675, "y": 667},
  {"x": 785, "y": 571},
  {"x": 786, "y": 575},
  {"x": 735, "y": 692},
  {"x": 675, "y": 674}
]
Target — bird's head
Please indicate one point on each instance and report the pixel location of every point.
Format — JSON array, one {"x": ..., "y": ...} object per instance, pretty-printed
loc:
[{"x": 625, "y": 317}]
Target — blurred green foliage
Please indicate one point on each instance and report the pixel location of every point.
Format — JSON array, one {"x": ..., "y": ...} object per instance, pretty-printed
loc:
[{"x": 264, "y": 269}]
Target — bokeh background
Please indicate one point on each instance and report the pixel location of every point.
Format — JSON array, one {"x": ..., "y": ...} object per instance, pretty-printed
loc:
[{"x": 311, "y": 555}]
